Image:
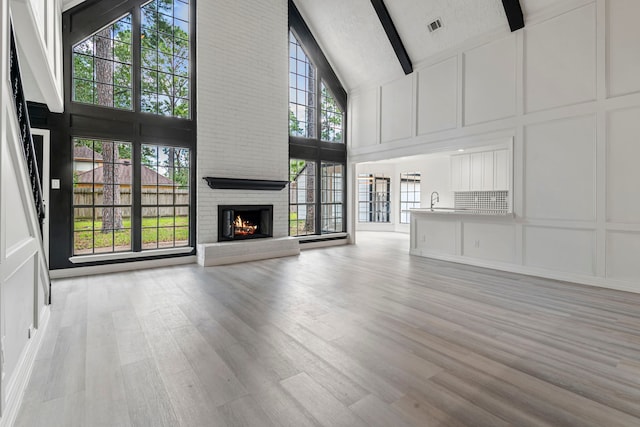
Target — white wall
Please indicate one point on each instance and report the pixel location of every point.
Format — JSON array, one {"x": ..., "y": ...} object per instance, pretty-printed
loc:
[
  {"x": 242, "y": 99},
  {"x": 38, "y": 27},
  {"x": 566, "y": 89},
  {"x": 23, "y": 268}
]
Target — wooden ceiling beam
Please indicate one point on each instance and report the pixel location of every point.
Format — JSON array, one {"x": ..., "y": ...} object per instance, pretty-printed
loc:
[
  {"x": 392, "y": 34},
  {"x": 514, "y": 14}
]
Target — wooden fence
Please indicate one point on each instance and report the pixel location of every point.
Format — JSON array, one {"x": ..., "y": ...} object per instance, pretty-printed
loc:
[{"x": 163, "y": 198}]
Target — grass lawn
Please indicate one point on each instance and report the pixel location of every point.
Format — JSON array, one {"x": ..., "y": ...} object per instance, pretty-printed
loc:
[
  {"x": 297, "y": 227},
  {"x": 154, "y": 230}
]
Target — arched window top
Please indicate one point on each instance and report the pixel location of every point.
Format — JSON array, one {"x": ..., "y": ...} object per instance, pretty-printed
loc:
[
  {"x": 331, "y": 116},
  {"x": 106, "y": 71},
  {"x": 102, "y": 67}
]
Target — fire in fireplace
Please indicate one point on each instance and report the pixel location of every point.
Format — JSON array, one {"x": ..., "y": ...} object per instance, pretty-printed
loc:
[{"x": 240, "y": 222}]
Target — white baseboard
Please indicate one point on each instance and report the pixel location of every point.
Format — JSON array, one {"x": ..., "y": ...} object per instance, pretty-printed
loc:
[
  {"x": 18, "y": 384},
  {"x": 600, "y": 282}
]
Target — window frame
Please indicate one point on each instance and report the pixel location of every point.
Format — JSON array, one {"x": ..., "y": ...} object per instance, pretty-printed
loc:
[
  {"x": 106, "y": 123},
  {"x": 315, "y": 149},
  {"x": 413, "y": 181},
  {"x": 371, "y": 201}
]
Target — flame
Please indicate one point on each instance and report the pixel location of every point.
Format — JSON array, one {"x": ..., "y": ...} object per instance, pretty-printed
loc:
[{"x": 243, "y": 227}]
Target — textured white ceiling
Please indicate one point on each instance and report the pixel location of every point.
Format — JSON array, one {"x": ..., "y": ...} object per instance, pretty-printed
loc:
[{"x": 355, "y": 42}]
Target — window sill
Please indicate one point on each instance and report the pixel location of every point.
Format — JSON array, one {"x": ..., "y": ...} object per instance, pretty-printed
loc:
[
  {"x": 316, "y": 237},
  {"x": 81, "y": 259}
]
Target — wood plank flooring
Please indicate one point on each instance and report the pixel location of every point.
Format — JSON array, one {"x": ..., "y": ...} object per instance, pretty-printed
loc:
[{"x": 360, "y": 335}]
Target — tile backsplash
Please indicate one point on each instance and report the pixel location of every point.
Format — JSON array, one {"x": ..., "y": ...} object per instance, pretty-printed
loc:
[{"x": 482, "y": 200}]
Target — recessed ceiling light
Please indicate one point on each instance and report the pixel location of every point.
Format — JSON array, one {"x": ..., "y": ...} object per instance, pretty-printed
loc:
[{"x": 460, "y": 150}]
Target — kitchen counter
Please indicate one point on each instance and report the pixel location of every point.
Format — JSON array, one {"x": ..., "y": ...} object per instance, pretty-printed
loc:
[{"x": 454, "y": 211}]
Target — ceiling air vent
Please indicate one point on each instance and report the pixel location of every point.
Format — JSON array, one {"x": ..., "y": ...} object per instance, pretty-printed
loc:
[{"x": 435, "y": 25}]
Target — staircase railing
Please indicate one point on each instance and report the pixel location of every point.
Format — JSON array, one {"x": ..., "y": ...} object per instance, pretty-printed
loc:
[
  {"x": 31, "y": 159},
  {"x": 25, "y": 130}
]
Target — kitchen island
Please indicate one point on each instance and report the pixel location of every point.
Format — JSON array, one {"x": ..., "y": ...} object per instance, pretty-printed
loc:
[{"x": 463, "y": 235}]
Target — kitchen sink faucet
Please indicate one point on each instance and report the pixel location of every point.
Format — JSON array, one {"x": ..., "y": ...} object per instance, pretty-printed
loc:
[{"x": 437, "y": 199}]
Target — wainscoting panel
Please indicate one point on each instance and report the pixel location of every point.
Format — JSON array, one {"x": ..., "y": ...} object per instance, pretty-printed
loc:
[
  {"x": 364, "y": 118},
  {"x": 495, "y": 242},
  {"x": 437, "y": 97},
  {"x": 560, "y": 249},
  {"x": 397, "y": 109},
  {"x": 623, "y": 173},
  {"x": 620, "y": 265},
  {"x": 560, "y": 60},
  {"x": 559, "y": 172},
  {"x": 490, "y": 74},
  {"x": 623, "y": 39}
]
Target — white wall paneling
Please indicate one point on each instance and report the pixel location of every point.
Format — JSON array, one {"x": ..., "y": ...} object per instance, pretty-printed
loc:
[
  {"x": 623, "y": 173},
  {"x": 566, "y": 89},
  {"x": 364, "y": 118},
  {"x": 397, "y": 109},
  {"x": 560, "y": 169},
  {"x": 495, "y": 242},
  {"x": 437, "y": 97},
  {"x": 623, "y": 248},
  {"x": 560, "y": 249},
  {"x": 490, "y": 75},
  {"x": 623, "y": 39},
  {"x": 560, "y": 60},
  {"x": 436, "y": 236}
]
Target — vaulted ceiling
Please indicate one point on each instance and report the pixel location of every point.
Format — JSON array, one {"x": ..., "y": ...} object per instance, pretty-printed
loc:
[{"x": 355, "y": 43}]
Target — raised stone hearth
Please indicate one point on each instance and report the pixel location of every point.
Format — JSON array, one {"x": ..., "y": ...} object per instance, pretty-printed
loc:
[{"x": 212, "y": 254}]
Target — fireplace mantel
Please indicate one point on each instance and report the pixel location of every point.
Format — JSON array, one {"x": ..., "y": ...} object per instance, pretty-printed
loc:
[{"x": 244, "y": 184}]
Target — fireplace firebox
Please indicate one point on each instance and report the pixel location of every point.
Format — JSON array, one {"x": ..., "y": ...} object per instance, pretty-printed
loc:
[{"x": 241, "y": 222}]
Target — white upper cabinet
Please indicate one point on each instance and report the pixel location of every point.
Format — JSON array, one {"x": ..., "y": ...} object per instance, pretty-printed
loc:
[
  {"x": 483, "y": 171},
  {"x": 460, "y": 173},
  {"x": 501, "y": 170}
]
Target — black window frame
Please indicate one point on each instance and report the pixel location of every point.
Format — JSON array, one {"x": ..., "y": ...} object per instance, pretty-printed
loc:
[
  {"x": 375, "y": 200},
  {"x": 100, "y": 122},
  {"x": 314, "y": 149}
]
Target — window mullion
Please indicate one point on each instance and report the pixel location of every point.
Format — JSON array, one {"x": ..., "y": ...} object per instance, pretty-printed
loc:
[
  {"x": 136, "y": 215},
  {"x": 136, "y": 62}
]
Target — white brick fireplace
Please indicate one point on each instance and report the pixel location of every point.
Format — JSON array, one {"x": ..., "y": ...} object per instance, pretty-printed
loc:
[{"x": 242, "y": 110}]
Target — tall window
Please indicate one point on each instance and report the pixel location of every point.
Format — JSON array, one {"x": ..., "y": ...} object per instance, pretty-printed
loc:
[
  {"x": 317, "y": 148},
  {"x": 302, "y": 91},
  {"x": 409, "y": 194},
  {"x": 165, "y": 197},
  {"x": 165, "y": 58},
  {"x": 331, "y": 116},
  {"x": 101, "y": 196},
  {"x": 103, "y": 62},
  {"x": 132, "y": 175},
  {"x": 302, "y": 197},
  {"x": 374, "y": 201},
  {"x": 332, "y": 197}
]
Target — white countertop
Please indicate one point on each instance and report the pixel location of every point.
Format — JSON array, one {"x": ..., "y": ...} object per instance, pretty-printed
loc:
[{"x": 454, "y": 211}]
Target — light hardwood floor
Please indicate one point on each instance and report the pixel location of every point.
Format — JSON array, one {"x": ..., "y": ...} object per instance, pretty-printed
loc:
[{"x": 359, "y": 335}]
